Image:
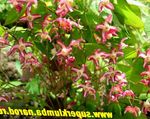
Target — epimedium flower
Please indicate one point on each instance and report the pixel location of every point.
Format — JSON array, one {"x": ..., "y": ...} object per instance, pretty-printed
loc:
[
  {"x": 64, "y": 6},
  {"x": 67, "y": 24},
  {"x": 113, "y": 76},
  {"x": 3, "y": 41},
  {"x": 96, "y": 57},
  {"x": 80, "y": 73},
  {"x": 113, "y": 56},
  {"x": 20, "y": 47},
  {"x": 115, "y": 93},
  {"x": 65, "y": 50},
  {"x": 44, "y": 36},
  {"x": 77, "y": 43},
  {"x": 146, "y": 57},
  {"x": 133, "y": 110},
  {"x": 46, "y": 21},
  {"x": 122, "y": 45},
  {"x": 105, "y": 4},
  {"x": 17, "y": 4},
  {"x": 128, "y": 93},
  {"x": 146, "y": 106},
  {"x": 87, "y": 89},
  {"x": 107, "y": 30},
  {"x": 69, "y": 61},
  {"x": 29, "y": 18}
]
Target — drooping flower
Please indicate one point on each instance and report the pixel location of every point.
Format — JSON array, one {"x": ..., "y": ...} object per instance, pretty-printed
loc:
[
  {"x": 80, "y": 73},
  {"x": 128, "y": 93},
  {"x": 65, "y": 51},
  {"x": 3, "y": 40},
  {"x": 105, "y": 4},
  {"x": 18, "y": 4},
  {"x": 146, "y": 57},
  {"x": 87, "y": 89},
  {"x": 134, "y": 110},
  {"x": 113, "y": 76},
  {"x": 96, "y": 57},
  {"x": 46, "y": 21},
  {"x": 67, "y": 24},
  {"x": 44, "y": 36},
  {"x": 122, "y": 44},
  {"x": 146, "y": 106},
  {"x": 107, "y": 30},
  {"x": 20, "y": 47},
  {"x": 77, "y": 43},
  {"x": 113, "y": 56},
  {"x": 30, "y": 62},
  {"x": 69, "y": 61},
  {"x": 64, "y": 6},
  {"x": 29, "y": 18}
]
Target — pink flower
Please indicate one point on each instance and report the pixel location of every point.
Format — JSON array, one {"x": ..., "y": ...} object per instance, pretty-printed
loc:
[
  {"x": 64, "y": 6},
  {"x": 107, "y": 31},
  {"x": 20, "y": 47},
  {"x": 87, "y": 89},
  {"x": 44, "y": 36},
  {"x": 77, "y": 43},
  {"x": 30, "y": 62},
  {"x": 146, "y": 82},
  {"x": 46, "y": 21},
  {"x": 128, "y": 93},
  {"x": 65, "y": 51},
  {"x": 146, "y": 57},
  {"x": 146, "y": 106},
  {"x": 113, "y": 76},
  {"x": 29, "y": 18},
  {"x": 69, "y": 61},
  {"x": 80, "y": 73},
  {"x": 96, "y": 57},
  {"x": 113, "y": 56},
  {"x": 122, "y": 44},
  {"x": 105, "y": 4},
  {"x": 66, "y": 24},
  {"x": 134, "y": 110},
  {"x": 18, "y": 4},
  {"x": 4, "y": 41}
]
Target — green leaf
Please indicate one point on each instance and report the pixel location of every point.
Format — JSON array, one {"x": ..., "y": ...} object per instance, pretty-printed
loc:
[
  {"x": 34, "y": 86},
  {"x": 130, "y": 53},
  {"x": 11, "y": 84},
  {"x": 127, "y": 15},
  {"x": 12, "y": 16}
]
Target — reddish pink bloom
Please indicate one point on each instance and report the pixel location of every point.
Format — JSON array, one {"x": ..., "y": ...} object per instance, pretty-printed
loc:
[
  {"x": 64, "y": 6},
  {"x": 66, "y": 24},
  {"x": 18, "y": 4},
  {"x": 77, "y": 43},
  {"x": 4, "y": 41},
  {"x": 128, "y": 93},
  {"x": 97, "y": 56},
  {"x": 146, "y": 73},
  {"x": 113, "y": 76},
  {"x": 115, "y": 93},
  {"x": 146, "y": 106},
  {"x": 146, "y": 82},
  {"x": 105, "y": 4},
  {"x": 122, "y": 44},
  {"x": 134, "y": 110},
  {"x": 65, "y": 51},
  {"x": 69, "y": 61},
  {"x": 20, "y": 47},
  {"x": 146, "y": 57},
  {"x": 113, "y": 56},
  {"x": 88, "y": 89},
  {"x": 30, "y": 62},
  {"x": 29, "y": 18},
  {"x": 46, "y": 21},
  {"x": 107, "y": 31},
  {"x": 27, "y": 57},
  {"x": 80, "y": 73},
  {"x": 44, "y": 36}
]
